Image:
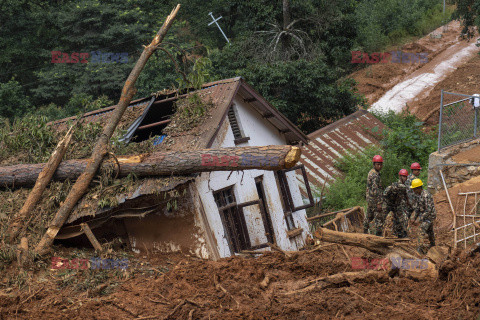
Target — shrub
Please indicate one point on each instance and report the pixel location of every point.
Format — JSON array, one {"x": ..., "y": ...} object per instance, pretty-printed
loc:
[{"x": 404, "y": 142}]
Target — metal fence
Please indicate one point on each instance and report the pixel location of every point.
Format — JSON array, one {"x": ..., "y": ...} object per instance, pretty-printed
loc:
[{"x": 459, "y": 120}]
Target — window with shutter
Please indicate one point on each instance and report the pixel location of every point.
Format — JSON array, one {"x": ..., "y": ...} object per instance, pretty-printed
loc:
[{"x": 238, "y": 134}]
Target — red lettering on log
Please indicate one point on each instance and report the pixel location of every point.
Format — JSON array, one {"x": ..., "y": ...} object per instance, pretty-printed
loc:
[
  {"x": 207, "y": 160},
  {"x": 234, "y": 161},
  {"x": 224, "y": 160}
]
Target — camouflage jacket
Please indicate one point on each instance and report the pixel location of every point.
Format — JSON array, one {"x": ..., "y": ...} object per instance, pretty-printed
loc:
[
  {"x": 410, "y": 178},
  {"x": 411, "y": 195},
  {"x": 374, "y": 187},
  {"x": 396, "y": 194},
  {"x": 424, "y": 207}
]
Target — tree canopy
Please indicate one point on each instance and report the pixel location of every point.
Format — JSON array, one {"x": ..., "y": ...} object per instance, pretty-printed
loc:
[{"x": 295, "y": 53}]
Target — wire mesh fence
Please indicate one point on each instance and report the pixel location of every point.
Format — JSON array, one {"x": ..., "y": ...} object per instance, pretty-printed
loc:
[{"x": 459, "y": 119}]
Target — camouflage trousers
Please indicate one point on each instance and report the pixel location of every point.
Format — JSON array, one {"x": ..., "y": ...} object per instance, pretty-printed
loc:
[
  {"x": 400, "y": 220},
  {"x": 369, "y": 216},
  {"x": 380, "y": 217},
  {"x": 426, "y": 237}
]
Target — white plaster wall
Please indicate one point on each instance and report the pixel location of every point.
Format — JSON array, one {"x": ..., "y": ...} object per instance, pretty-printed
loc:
[{"x": 261, "y": 133}]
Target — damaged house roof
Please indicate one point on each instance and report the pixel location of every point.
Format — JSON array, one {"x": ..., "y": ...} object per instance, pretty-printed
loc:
[
  {"x": 161, "y": 115},
  {"x": 350, "y": 134}
]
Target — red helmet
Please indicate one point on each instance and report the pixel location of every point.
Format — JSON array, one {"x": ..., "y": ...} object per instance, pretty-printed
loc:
[
  {"x": 415, "y": 166},
  {"x": 403, "y": 172},
  {"x": 377, "y": 158}
]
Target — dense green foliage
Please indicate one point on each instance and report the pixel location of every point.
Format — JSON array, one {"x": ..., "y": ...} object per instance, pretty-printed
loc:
[
  {"x": 297, "y": 57},
  {"x": 468, "y": 11},
  {"x": 403, "y": 143},
  {"x": 385, "y": 22}
]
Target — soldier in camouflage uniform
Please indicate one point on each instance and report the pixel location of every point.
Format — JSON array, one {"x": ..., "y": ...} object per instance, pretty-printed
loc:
[
  {"x": 396, "y": 201},
  {"x": 374, "y": 196},
  {"x": 425, "y": 210},
  {"x": 412, "y": 176}
]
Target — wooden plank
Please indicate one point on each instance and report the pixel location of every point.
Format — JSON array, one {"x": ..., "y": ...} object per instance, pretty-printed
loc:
[{"x": 91, "y": 237}]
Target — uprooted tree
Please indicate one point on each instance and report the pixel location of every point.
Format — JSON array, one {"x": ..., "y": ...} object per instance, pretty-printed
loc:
[{"x": 275, "y": 157}]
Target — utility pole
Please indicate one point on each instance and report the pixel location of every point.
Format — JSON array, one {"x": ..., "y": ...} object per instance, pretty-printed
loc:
[{"x": 215, "y": 21}]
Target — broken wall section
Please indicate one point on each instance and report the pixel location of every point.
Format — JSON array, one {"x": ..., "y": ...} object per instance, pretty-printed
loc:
[{"x": 458, "y": 163}]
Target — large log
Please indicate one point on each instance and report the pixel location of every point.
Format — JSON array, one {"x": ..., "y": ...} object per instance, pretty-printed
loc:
[
  {"x": 165, "y": 163},
  {"x": 372, "y": 243}
]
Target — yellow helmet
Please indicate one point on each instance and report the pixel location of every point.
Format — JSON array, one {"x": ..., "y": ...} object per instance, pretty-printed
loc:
[{"x": 416, "y": 183}]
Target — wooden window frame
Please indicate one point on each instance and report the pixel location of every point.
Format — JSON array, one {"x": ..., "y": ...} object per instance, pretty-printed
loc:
[
  {"x": 266, "y": 217},
  {"x": 235, "y": 243},
  {"x": 285, "y": 189}
]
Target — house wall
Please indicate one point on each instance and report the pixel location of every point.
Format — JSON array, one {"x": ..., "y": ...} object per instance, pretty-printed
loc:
[
  {"x": 261, "y": 133},
  {"x": 179, "y": 230}
]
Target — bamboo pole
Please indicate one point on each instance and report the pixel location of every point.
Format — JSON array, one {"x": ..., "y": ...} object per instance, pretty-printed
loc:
[
  {"x": 451, "y": 207},
  {"x": 100, "y": 149}
]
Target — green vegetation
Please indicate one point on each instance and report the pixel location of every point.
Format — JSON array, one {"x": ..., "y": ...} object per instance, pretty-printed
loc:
[
  {"x": 296, "y": 53},
  {"x": 403, "y": 143},
  {"x": 388, "y": 22},
  {"x": 468, "y": 11}
]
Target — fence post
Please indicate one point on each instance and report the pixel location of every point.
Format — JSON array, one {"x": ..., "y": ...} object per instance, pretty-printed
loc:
[
  {"x": 440, "y": 121},
  {"x": 475, "y": 124}
]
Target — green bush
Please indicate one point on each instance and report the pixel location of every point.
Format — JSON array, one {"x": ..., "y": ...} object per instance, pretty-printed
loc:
[
  {"x": 13, "y": 102},
  {"x": 382, "y": 23},
  {"x": 404, "y": 141}
]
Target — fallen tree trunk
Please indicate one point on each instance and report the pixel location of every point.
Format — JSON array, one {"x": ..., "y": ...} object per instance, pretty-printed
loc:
[
  {"x": 100, "y": 148},
  {"x": 41, "y": 183},
  {"x": 165, "y": 163},
  {"x": 372, "y": 243},
  {"x": 335, "y": 280}
]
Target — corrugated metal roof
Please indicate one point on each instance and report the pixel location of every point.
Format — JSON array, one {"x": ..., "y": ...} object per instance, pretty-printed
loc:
[{"x": 348, "y": 135}]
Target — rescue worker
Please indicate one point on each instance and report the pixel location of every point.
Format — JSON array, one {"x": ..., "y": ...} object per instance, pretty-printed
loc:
[
  {"x": 396, "y": 201},
  {"x": 412, "y": 176},
  {"x": 424, "y": 210},
  {"x": 374, "y": 197}
]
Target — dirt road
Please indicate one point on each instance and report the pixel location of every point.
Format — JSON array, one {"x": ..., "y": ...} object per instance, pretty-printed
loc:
[{"x": 392, "y": 86}]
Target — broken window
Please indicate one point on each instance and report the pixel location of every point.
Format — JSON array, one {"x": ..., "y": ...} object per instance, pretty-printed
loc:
[
  {"x": 233, "y": 221},
  {"x": 267, "y": 220},
  {"x": 286, "y": 194},
  {"x": 238, "y": 133}
]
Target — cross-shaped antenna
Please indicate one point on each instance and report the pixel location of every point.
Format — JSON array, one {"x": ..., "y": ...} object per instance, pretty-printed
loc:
[{"x": 215, "y": 21}]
